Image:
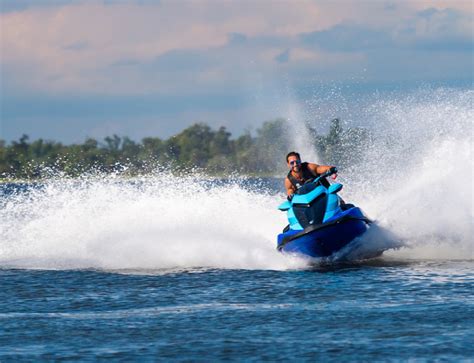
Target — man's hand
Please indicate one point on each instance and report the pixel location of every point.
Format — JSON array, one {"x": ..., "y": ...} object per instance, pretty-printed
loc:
[{"x": 333, "y": 170}]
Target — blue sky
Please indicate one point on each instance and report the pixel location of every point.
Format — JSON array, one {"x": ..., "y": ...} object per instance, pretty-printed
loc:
[{"x": 76, "y": 69}]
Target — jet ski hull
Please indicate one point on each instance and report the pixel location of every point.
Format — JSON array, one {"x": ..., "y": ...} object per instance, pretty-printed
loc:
[{"x": 325, "y": 239}]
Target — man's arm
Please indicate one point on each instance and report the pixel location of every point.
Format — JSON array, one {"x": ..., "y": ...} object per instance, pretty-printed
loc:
[
  {"x": 290, "y": 189},
  {"x": 318, "y": 169}
]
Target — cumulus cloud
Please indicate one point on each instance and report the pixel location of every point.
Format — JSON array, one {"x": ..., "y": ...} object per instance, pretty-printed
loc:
[
  {"x": 206, "y": 49},
  {"x": 136, "y": 46},
  {"x": 432, "y": 29},
  {"x": 348, "y": 38}
]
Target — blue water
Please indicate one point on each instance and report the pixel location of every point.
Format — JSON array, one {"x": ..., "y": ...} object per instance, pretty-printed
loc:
[
  {"x": 381, "y": 310},
  {"x": 387, "y": 309}
]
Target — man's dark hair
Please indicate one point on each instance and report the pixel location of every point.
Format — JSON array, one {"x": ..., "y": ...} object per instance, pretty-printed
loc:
[{"x": 293, "y": 153}]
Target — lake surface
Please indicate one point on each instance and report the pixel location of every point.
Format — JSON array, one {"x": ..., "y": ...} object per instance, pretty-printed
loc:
[
  {"x": 381, "y": 310},
  {"x": 135, "y": 287}
]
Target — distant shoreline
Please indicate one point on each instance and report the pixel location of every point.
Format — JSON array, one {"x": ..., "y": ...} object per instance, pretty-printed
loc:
[{"x": 198, "y": 149}]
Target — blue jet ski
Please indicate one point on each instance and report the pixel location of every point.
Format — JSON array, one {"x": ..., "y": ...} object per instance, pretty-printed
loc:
[{"x": 320, "y": 225}]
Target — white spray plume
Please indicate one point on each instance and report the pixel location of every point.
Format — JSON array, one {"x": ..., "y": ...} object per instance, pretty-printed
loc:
[{"x": 415, "y": 179}]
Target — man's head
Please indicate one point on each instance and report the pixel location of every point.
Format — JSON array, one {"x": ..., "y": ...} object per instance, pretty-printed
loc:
[{"x": 293, "y": 160}]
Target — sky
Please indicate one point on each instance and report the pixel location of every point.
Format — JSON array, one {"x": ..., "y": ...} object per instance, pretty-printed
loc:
[{"x": 138, "y": 68}]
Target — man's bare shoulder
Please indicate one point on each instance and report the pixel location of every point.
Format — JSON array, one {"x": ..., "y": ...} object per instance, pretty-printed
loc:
[{"x": 313, "y": 166}]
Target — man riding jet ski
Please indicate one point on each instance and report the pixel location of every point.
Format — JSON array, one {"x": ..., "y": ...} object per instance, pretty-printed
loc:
[
  {"x": 320, "y": 223},
  {"x": 300, "y": 173}
]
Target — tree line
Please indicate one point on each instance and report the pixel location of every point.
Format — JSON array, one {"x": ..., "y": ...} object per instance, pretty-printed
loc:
[{"x": 196, "y": 147}]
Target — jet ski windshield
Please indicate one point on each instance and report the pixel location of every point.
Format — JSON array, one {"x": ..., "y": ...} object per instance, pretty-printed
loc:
[
  {"x": 312, "y": 213},
  {"x": 310, "y": 185},
  {"x": 306, "y": 188}
]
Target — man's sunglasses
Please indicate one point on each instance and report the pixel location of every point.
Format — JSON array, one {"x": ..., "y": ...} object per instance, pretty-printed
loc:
[{"x": 295, "y": 162}]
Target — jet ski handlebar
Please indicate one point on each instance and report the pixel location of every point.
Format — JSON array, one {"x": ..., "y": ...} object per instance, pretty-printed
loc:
[
  {"x": 330, "y": 172},
  {"x": 312, "y": 183}
]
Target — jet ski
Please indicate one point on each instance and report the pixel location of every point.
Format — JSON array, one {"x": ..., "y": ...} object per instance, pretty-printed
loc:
[{"x": 320, "y": 224}]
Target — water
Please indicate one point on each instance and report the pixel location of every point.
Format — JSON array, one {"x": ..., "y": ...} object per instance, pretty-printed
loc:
[
  {"x": 382, "y": 310},
  {"x": 185, "y": 269}
]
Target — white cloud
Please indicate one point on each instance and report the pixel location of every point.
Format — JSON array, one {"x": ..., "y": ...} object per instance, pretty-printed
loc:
[{"x": 95, "y": 47}]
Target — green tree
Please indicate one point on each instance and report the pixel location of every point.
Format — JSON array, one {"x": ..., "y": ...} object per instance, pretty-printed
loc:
[
  {"x": 245, "y": 152},
  {"x": 3, "y": 156},
  {"x": 194, "y": 145},
  {"x": 18, "y": 158}
]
